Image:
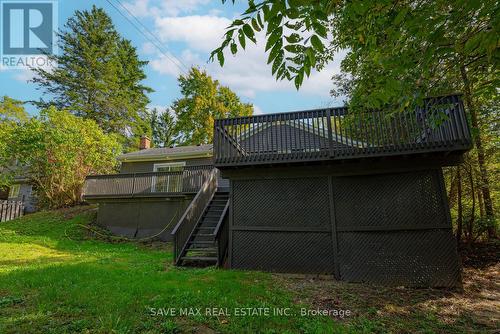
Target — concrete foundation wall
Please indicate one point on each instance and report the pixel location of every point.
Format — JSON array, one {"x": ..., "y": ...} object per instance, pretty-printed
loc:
[{"x": 139, "y": 218}]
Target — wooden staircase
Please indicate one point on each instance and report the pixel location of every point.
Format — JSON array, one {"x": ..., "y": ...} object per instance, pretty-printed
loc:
[
  {"x": 202, "y": 233},
  {"x": 202, "y": 248}
]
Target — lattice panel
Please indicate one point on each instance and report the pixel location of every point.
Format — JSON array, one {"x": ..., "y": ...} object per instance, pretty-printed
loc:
[
  {"x": 296, "y": 252},
  {"x": 409, "y": 199},
  {"x": 410, "y": 258},
  {"x": 281, "y": 202}
]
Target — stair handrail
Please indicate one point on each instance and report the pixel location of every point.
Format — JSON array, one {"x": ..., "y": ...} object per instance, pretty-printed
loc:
[
  {"x": 221, "y": 235},
  {"x": 187, "y": 223},
  {"x": 221, "y": 219}
]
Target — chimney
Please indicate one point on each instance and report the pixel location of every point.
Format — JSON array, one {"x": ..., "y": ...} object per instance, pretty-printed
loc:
[{"x": 145, "y": 143}]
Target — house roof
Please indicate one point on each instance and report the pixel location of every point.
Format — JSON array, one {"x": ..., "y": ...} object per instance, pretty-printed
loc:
[{"x": 169, "y": 153}]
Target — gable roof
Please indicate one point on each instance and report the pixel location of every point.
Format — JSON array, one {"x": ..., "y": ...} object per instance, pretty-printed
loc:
[
  {"x": 168, "y": 153},
  {"x": 301, "y": 125}
]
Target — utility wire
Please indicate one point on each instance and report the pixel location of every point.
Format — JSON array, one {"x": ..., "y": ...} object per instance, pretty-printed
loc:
[
  {"x": 170, "y": 57},
  {"x": 150, "y": 33}
]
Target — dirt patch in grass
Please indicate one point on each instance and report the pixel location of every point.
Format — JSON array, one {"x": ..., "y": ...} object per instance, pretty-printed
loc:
[
  {"x": 475, "y": 308},
  {"x": 71, "y": 212}
]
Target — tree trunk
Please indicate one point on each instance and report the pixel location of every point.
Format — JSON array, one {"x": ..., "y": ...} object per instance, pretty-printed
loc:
[
  {"x": 483, "y": 173},
  {"x": 459, "y": 205},
  {"x": 470, "y": 223},
  {"x": 452, "y": 194},
  {"x": 480, "y": 203}
]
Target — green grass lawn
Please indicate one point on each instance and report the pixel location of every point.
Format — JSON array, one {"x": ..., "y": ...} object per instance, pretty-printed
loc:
[{"x": 54, "y": 278}]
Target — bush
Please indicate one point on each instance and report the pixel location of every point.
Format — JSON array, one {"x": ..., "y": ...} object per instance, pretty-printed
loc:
[{"x": 56, "y": 151}]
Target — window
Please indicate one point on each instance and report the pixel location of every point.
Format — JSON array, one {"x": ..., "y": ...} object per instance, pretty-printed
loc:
[
  {"x": 168, "y": 182},
  {"x": 14, "y": 191}
]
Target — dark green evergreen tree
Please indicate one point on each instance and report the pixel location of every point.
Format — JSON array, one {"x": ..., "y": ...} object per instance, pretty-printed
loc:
[
  {"x": 163, "y": 128},
  {"x": 98, "y": 76}
]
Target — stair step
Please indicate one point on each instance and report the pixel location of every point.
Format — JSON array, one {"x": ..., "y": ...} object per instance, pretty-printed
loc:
[
  {"x": 204, "y": 235},
  {"x": 213, "y": 248},
  {"x": 213, "y": 212},
  {"x": 199, "y": 258},
  {"x": 199, "y": 252},
  {"x": 205, "y": 228},
  {"x": 212, "y": 216},
  {"x": 201, "y": 242},
  {"x": 212, "y": 226}
]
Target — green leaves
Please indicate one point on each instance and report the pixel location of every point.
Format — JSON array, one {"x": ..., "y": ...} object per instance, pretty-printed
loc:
[
  {"x": 248, "y": 31},
  {"x": 241, "y": 38},
  {"x": 203, "y": 99},
  {"x": 293, "y": 38},
  {"x": 255, "y": 25},
  {"x": 57, "y": 150},
  {"x": 291, "y": 56},
  {"x": 276, "y": 35},
  {"x": 277, "y": 48},
  {"x": 99, "y": 75},
  {"x": 298, "y": 79},
  {"x": 317, "y": 44},
  {"x": 234, "y": 48},
  {"x": 220, "y": 57}
]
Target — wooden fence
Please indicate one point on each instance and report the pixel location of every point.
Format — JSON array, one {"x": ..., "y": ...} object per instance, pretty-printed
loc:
[{"x": 11, "y": 210}]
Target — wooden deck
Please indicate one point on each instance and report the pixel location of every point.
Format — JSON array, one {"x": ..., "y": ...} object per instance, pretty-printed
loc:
[
  {"x": 154, "y": 184},
  {"x": 335, "y": 134}
]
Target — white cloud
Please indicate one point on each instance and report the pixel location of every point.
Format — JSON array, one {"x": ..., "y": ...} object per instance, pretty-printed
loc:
[
  {"x": 146, "y": 8},
  {"x": 148, "y": 48},
  {"x": 169, "y": 64},
  {"x": 247, "y": 72},
  {"x": 201, "y": 33},
  {"x": 23, "y": 75},
  {"x": 257, "y": 110},
  {"x": 139, "y": 8}
]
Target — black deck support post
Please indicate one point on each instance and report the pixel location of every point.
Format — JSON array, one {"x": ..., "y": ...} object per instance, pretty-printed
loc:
[{"x": 333, "y": 223}]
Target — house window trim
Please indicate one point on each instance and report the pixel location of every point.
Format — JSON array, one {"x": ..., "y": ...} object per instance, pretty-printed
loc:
[
  {"x": 168, "y": 179},
  {"x": 168, "y": 164},
  {"x": 16, "y": 192}
]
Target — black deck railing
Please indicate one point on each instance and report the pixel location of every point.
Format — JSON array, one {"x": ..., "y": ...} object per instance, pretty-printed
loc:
[
  {"x": 184, "y": 229},
  {"x": 334, "y": 134},
  {"x": 150, "y": 184}
]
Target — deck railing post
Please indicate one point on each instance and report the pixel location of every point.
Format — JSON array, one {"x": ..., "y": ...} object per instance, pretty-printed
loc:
[
  {"x": 330, "y": 133},
  {"x": 133, "y": 184}
]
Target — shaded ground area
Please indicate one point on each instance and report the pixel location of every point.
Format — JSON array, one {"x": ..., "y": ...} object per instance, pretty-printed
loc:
[
  {"x": 58, "y": 274},
  {"x": 474, "y": 308}
]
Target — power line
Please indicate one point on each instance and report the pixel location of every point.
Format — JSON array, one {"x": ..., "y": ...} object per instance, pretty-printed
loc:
[
  {"x": 150, "y": 33},
  {"x": 183, "y": 70}
]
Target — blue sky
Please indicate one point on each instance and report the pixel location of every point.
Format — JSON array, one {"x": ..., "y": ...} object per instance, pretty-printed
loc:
[{"x": 189, "y": 30}]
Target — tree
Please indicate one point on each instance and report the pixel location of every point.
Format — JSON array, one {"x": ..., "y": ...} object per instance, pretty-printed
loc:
[
  {"x": 204, "y": 100},
  {"x": 98, "y": 76},
  {"x": 12, "y": 114},
  {"x": 163, "y": 128},
  {"x": 11, "y": 109},
  {"x": 398, "y": 52},
  {"x": 56, "y": 151}
]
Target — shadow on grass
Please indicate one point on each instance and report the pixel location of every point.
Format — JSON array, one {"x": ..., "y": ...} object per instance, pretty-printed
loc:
[
  {"x": 103, "y": 298},
  {"x": 104, "y": 287}
]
